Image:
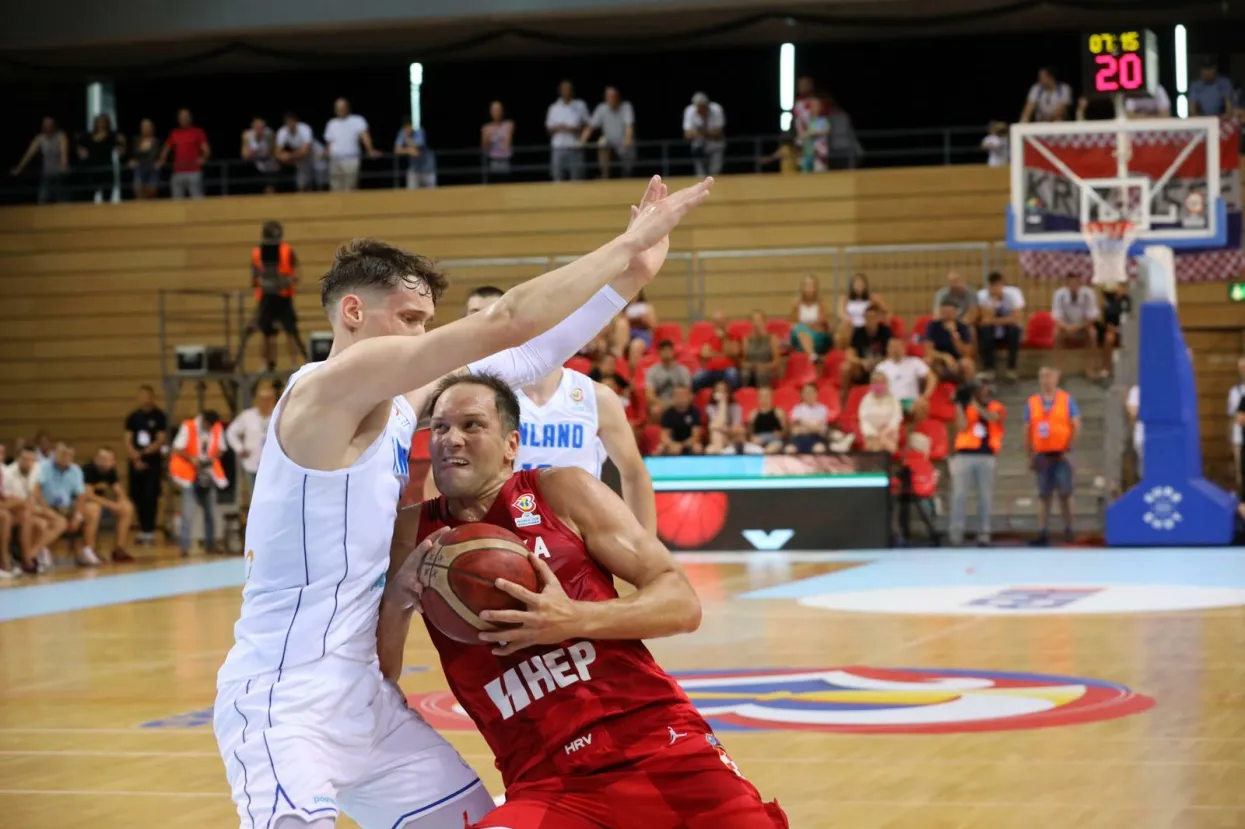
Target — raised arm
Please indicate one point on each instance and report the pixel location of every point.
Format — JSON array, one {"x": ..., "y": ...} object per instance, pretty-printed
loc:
[
  {"x": 663, "y": 604},
  {"x": 620, "y": 445},
  {"x": 400, "y": 600}
]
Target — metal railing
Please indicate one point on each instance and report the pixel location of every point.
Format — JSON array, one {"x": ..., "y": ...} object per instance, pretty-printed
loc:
[{"x": 529, "y": 162}]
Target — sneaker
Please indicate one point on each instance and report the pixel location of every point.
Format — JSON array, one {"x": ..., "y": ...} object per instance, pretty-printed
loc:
[
  {"x": 1069, "y": 537},
  {"x": 983, "y": 541},
  {"x": 1012, "y": 376},
  {"x": 5, "y": 575},
  {"x": 44, "y": 561},
  {"x": 87, "y": 558},
  {"x": 120, "y": 556},
  {"x": 1042, "y": 540}
]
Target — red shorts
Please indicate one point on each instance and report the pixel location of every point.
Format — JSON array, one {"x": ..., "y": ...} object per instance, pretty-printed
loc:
[{"x": 693, "y": 784}]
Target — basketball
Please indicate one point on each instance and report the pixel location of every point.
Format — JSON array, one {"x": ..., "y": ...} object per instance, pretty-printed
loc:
[{"x": 459, "y": 576}]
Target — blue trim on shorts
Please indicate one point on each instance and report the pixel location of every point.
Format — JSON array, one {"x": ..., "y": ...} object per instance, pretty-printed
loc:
[
  {"x": 245, "y": 783},
  {"x": 280, "y": 790},
  {"x": 422, "y": 809},
  {"x": 345, "y": 555}
]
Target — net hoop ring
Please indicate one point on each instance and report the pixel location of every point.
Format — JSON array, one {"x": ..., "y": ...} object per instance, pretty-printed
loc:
[{"x": 1109, "y": 243}]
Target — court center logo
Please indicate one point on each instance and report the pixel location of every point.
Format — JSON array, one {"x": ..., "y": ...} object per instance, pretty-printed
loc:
[
  {"x": 865, "y": 700},
  {"x": 1163, "y": 508}
]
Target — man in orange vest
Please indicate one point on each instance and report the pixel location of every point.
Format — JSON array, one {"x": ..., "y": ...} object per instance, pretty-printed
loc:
[
  {"x": 979, "y": 437},
  {"x": 1052, "y": 425},
  {"x": 274, "y": 273},
  {"x": 196, "y": 469}
]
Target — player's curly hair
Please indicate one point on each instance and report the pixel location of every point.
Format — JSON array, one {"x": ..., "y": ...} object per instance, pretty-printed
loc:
[
  {"x": 371, "y": 263},
  {"x": 504, "y": 396}
]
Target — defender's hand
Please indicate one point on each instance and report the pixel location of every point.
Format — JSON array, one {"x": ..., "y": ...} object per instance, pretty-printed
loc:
[
  {"x": 657, "y": 215},
  {"x": 550, "y": 616},
  {"x": 406, "y": 586}
]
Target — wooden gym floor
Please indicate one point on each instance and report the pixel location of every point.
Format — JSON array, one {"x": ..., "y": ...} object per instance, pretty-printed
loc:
[{"x": 961, "y": 689}]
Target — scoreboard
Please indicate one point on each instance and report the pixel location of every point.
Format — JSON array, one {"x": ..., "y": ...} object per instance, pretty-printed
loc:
[{"x": 1120, "y": 63}]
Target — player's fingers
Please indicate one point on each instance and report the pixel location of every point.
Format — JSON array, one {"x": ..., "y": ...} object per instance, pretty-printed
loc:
[
  {"x": 433, "y": 538},
  {"x": 518, "y": 591},
  {"x": 652, "y": 192},
  {"x": 547, "y": 576},
  {"x": 508, "y": 648},
  {"x": 515, "y": 617}
]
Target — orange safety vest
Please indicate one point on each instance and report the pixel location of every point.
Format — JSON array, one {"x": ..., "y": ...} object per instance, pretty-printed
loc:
[
  {"x": 976, "y": 430},
  {"x": 1050, "y": 431},
  {"x": 285, "y": 267},
  {"x": 183, "y": 470}
]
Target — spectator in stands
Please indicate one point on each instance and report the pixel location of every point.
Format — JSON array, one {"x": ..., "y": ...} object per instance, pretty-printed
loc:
[
  {"x": 1115, "y": 304},
  {"x": 496, "y": 140},
  {"x": 960, "y": 295},
  {"x": 143, "y": 159},
  {"x": 1075, "y": 310},
  {"x": 767, "y": 427},
  {"x": 52, "y": 147},
  {"x": 856, "y": 301},
  {"x": 1048, "y": 99},
  {"x": 146, "y": 433},
  {"x": 727, "y": 434},
  {"x": 815, "y": 139},
  {"x": 14, "y": 515},
  {"x": 615, "y": 120},
  {"x": 274, "y": 277},
  {"x": 1000, "y": 322},
  {"x": 810, "y": 424},
  {"x": 867, "y": 348},
  {"x": 247, "y": 432},
  {"x": 421, "y": 165},
  {"x": 62, "y": 490},
  {"x": 259, "y": 146},
  {"x": 811, "y": 330},
  {"x": 762, "y": 354},
  {"x": 38, "y": 527},
  {"x": 787, "y": 156},
  {"x": 566, "y": 119},
  {"x": 633, "y": 328},
  {"x": 1235, "y": 395},
  {"x": 909, "y": 378},
  {"x": 978, "y": 441},
  {"x": 1157, "y": 105},
  {"x": 948, "y": 348},
  {"x": 997, "y": 144},
  {"x": 1211, "y": 94},
  {"x": 606, "y": 371},
  {"x": 99, "y": 150},
  {"x": 104, "y": 492},
  {"x": 481, "y": 298},
  {"x": 346, "y": 137},
  {"x": 45, "y": 449},
  {"x": 845, "y": 149},
  {"x": 190, "y": 149},
  {"x": 681, "y": 432},
  {"x": 880, "y": 416},
  {"x": 704, "y": 125},
  {"x": 196, "y": 469},
  {"x": 719, "y": 357},
  {"x": 664, "y": 377},
  {"x": 1052, "y": 425},
  {"x": 297, "y": 150},
  {"x": 805, "y": 94},
  {"x": 1133, "y": 408}
]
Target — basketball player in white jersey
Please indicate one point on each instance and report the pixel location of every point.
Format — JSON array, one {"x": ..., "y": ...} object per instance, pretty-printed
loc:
[
  {"x": 568, "y": 419},
  {"x": 305, "y": 724}
]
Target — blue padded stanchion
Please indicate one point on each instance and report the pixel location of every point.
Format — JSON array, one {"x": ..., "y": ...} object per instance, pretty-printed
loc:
[{"x": 1173, "y": 505}]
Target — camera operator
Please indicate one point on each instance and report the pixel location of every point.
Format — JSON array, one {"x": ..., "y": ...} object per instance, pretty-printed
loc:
[
  {"x": 274, "y": 272},
  {"x": 979, "y": 437}
]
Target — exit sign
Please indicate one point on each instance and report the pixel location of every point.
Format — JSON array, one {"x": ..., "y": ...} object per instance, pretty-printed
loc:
[{"x": 1236, "y": 291}]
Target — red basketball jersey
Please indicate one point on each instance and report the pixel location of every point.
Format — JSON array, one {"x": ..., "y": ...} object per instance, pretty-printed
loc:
[{"x": 565, "y": 709}]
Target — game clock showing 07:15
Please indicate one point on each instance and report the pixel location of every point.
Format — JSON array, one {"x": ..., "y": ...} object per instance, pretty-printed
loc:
[{"x": 1120, "y": 63}]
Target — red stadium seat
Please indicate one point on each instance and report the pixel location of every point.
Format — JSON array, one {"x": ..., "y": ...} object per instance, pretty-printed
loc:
[
  {"x": 701, "y": 401},
  {"x": 800, "y": 369},
  {"x": 671, "y": 331},
  {"x": 689, "y": 359},
  {"x": 746, "y": 397},
  {"x": 739, "y": 329},
  {"x": 897, "y": 326},
  {"x": 780, "y": 328},
  {"x": 581, "y": 364},
  {"x": 918, "y": 328},
  {"x": 939, "y": 443},
  {"x": 700, "y": 333},
  {"x": 1040, "y": 332},
  {"x": 419, "y": 444},
  {"x": 849, "y": 420},
  {"x": 650, "y": 439},
  {"x": 623, "y": 369},
  {"x": 942, "y": 403},
  {"x": 786, "y": 398},
  {"x": 642, "y": 366},
  {"x": 916, "y": 350},
  {"x": 831, "y": 364},
  {"x": 829, "y": 396},
  {"x": 924, "y": 475}
]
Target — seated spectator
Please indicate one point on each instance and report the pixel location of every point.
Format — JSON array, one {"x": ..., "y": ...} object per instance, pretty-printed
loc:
[
  {"x": 104, "y": 492},
  {"x": 662, "y": 378},
  {"x": 1115, "y": 304},
  {"x": 767, "y": 428},
  {"x": 1000, "y": 323},
  {"x": 1075, "y": 310},
  {"x": 854, "y": 304},
  {"x": 911, "y": 381},
  {"x": 681, "y": 432},
  {"x": 634, "y": 325},
  {"x": 39, "y": 526},
  {"x": 45, "y": 449},
  {"x": 762, "y": 354},
  {"x": 1133, "y": 406},
  {"x": 727, "y": 434},
  {"x": 880, "y": 416},
  {"x": 811, "y": 331},
  {"x": 947, "y": 345},
  {"x": 869, "y": 345},
  {"x": 960, "y": 295},
  {"x": 810, "y": 424},
  {"x": 719, "y": 358},
  {"x": 606, "y": 371},
  {"x": 61, "y": 490},
  {"x": 421, "y": 164}
]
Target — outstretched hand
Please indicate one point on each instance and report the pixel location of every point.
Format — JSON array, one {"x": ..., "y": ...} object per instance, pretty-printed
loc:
[
  {"x": 652, "y": 220},
  {"x": 551, "y": 615}
]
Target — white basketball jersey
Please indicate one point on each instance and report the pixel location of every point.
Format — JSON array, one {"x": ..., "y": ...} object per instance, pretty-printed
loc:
[
  {"x": 317, "y": 550},
  {"x": 563, "y": 432}
]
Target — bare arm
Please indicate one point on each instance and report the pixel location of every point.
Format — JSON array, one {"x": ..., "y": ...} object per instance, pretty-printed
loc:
[
  {"x": 30, "y": 153},
  {"x": 1076, "y": 431},
  {"x": 663, "y": 604},
  {"x": 401, "y": 597},
  {"x": 616, "y": 434}
]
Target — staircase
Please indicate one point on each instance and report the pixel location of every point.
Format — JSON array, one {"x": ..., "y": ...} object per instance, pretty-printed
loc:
[{"x": 1015, "y": 507}]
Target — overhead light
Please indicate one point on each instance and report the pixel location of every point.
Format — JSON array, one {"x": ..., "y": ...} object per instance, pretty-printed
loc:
[
  {"x": 786, "y": 76},
  {"x": 1182, "y": 60}
]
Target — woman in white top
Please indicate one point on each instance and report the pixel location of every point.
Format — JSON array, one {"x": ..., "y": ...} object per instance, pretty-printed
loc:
[
  {"x": 811, "y": 332},
  {"x": 856, "y": 301},
  {"x": 726, "y": 422},
  {"x": 879, "y": 416}
]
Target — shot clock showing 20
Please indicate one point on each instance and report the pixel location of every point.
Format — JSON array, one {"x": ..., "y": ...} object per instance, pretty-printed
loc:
[{"x": 1120, "y": 63}]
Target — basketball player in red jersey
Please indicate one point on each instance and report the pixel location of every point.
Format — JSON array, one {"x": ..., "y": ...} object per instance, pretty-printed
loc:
[{"x": 588, "y": 731}]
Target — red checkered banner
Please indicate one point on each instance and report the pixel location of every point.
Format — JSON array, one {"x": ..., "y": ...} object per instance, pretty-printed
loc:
[{"x": 1092, "y": 155}]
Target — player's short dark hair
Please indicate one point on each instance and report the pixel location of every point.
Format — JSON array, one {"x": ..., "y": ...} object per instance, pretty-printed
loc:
[
  {"x": 994, "y": 278},
  {"x": 371, "y": 263},
  {"x": 147, "y": 388},
  {"x": 665, "y": 344},
  {"x": 504, "y": 396},
  {"x": 486, "y": 291}
]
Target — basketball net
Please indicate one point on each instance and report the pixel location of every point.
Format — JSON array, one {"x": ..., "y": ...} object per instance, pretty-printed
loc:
[{"x": 1109, "y": 243}]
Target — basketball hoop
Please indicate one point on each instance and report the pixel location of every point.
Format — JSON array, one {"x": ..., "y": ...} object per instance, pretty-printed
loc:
[{"x": 1109, "y": 243}]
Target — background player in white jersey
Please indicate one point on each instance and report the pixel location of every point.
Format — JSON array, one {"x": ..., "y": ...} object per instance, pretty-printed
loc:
[
  {"x": 305, "y": 723},
  {"x": 568, "y": 419}
]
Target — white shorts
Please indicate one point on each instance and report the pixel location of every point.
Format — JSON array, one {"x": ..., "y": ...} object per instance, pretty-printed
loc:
[{"x": 334, "y": 736}]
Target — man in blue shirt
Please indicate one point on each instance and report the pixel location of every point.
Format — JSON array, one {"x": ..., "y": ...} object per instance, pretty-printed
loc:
[
  {"x": 1211, "y": 94},
  {"x": 62, "y": 488},
  {"x": 948, "y": 344}
]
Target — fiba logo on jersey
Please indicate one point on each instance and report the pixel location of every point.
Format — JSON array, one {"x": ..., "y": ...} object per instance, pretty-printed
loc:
[
  {"x": 526, "y": 505},
  {"x": 577, "y": 395}
]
